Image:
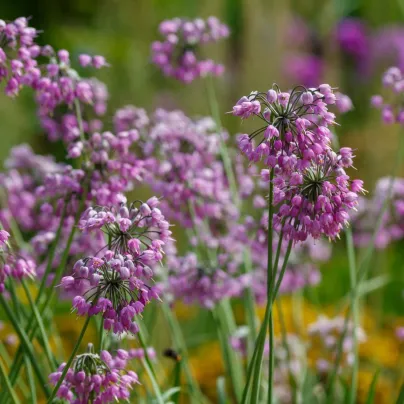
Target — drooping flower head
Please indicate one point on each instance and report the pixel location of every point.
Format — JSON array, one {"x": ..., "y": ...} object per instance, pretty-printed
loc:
[
  {"x": 99, "y": 378},
  {"x": 178, "y": 54},
  {"x": 116, "y": 283},
  {"x": 316, "y": 200},
  {"x": 295, "y": 125}
]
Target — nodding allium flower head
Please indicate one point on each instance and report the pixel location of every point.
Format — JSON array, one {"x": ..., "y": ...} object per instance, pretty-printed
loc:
[
  {"x": 99, "y": 378},
  {"x": 115, "y": 287},
  {"x": 178, "y": 55},
  {"x": 325, "y": 336},
  {"x": 392, "y": 109},
  {"x": 391, "y": 227},
  {"x": 296, "y": 125},
  {"x": 139, "y": 229},
  {"x": 115, "y": 284},
  {"x": 316, "y": 200}
]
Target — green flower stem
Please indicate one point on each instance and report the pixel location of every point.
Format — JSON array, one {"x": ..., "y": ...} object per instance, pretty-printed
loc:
[
  {"x": 147, "y": 364},
  {"x": 47, "y": 349},
  {"x": 32, "y": 327},
  {"x": 27, "y": 346},
  {"x": 214, "y": 108},
  {"x": 8, "y": 386},
  {"x": 355, "y": 314},
  {"x": 31, "y": 381},
  {"x": 156, "y": 388},
  {"x": 231, "y": 360},
  {"x": 51, "y": 255},
  {"x": 292, "y": 381},
  {"x": 271, "y": 275},
  {"x": 256, "y": 379},
  {"x": 181, "y": 346},
  {"x": 69, "y": 362},
  {"x": 102, "y": 334},
  {"x": 251, "y": 365},
  {"x": 249, "y": 304}
]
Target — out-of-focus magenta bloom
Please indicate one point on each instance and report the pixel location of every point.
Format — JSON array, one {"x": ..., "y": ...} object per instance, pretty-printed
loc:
[
  {"x": 304, "y": 68},
  {"x": 178, "y": 55},
  {"x": 392, "y": 221},
  {"x": 352, "y": 36},
  {"x": 391, "y": 106}
]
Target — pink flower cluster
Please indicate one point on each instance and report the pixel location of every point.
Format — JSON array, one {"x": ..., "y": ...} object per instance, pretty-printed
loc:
[
  {"x": 392, "y": 222},
  {"x": 198, "y": 282},
  {"x": 115, "y": 284},
  {"x": 101, "y": 378},
  {"x": 12, "y": 265},
  {"x": 312, "y": 191},
  {"x": 392, "y": 109},
  {"x": 183, "y": 166},
  {"x": 178, "y": 54}
]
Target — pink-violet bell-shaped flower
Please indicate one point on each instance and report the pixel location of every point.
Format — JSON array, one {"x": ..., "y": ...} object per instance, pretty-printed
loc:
[
  {"x": 317, "y": 200},
  {"x": 99, "y": 378},
  {"x": 296, "y": 125},
  {"x": 115, "y": 287}
]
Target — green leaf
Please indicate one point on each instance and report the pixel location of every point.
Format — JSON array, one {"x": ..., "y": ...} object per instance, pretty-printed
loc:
[
  {"x": 372, "y": 388},
  {"x": 170, "y": 392},
  {"x": 400, "y": 399}
]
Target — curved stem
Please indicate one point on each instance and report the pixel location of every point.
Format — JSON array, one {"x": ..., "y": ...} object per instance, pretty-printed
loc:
[
  {"x": 26, "y": 344},
  {"x": 180, "y": 345},
  {"x": 31, "y": 328},
  {"x": 69, "y": 362},
  {"x": 44, "y": 336},
  {"x": 355, "y": 314},
  {"x": 149, "y": 369},
  {"x": 9, "y": 387}
]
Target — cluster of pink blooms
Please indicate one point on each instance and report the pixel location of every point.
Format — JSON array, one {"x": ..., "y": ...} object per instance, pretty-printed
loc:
[
  {"x": 13, "y": 266},
  {"x": 182, "y": 164},
  {"x": 204, "y": 283},
  {"x": 392, "y": 109},
  {"x": 114, "y": 284},
  {"x": 178, "y": 55},
  {"x": 101, "y": 378},
  {"x": 55, "y": 83},
  {"x": 326, "y": 333},
  {"x": 312, "y": 191},
  {"x": 392, "y": 221}
]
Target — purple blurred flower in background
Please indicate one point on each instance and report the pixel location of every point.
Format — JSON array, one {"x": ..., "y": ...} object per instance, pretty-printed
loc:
[{"x": 178, "y": 55}]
